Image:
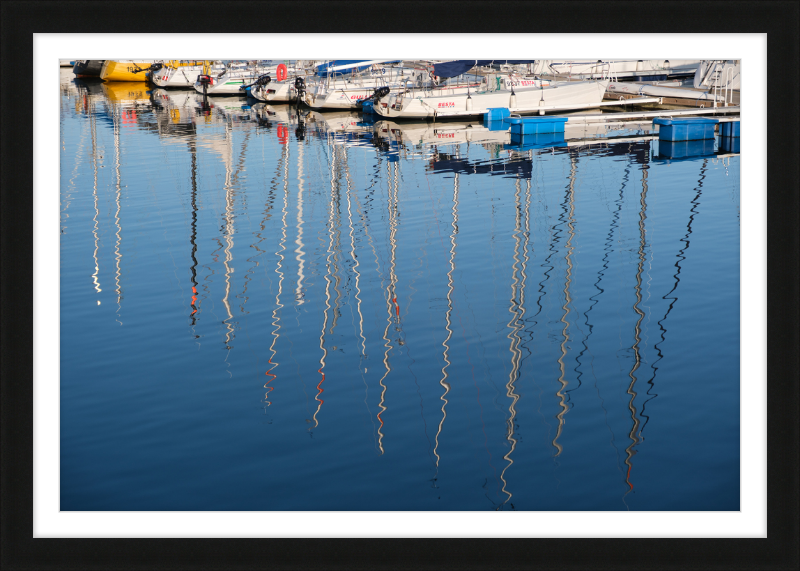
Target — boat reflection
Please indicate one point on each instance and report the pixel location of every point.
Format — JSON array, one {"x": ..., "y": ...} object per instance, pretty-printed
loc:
[
  {"x": 422, "y": 133},
  {"x": 637, "y": 357},
  {"x": 670, "y": 295},
  {"x": 516, "y": 324},
  {"x": 390, "y": 295},
  {"x": 195, "y": 305},
  {"x": 276, "y": 311},
  {"x": 116, "y": 116},
  {"x": 93, "y": 127},
  {"x": 561, "y": 394}
]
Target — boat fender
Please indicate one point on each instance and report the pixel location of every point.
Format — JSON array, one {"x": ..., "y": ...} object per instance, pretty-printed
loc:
[
  {"x": 281, "y": 72},
  {"x": 512, "y": 101},
  {"x": 469, "y": 102}
]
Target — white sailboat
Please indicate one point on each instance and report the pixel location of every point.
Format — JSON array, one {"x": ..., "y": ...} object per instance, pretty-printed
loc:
[
  {"x": 346, "y": 91},
  {"x": 557, "y": 96},
  {"x": 275, "y": 91},
  {"x": 228, "y": 81},
  {"x": 182, "y": 75},
  {"x": 617, "y": 69},
  {"x": 282, "y": 83}
]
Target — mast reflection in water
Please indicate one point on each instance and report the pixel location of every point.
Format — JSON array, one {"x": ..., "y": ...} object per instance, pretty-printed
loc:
[{"x": 321, "y": 313}]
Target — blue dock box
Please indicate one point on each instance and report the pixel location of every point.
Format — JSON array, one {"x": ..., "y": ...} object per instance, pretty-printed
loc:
[
  {"x": 496, "y": 114},
  {"x": 685, "y": 129},
  {"x": 729, "y": 129},
  {"x": 685, "y": 149},
  {"x": 536, "y": 125},
  {"x": 535, "y": 141}
]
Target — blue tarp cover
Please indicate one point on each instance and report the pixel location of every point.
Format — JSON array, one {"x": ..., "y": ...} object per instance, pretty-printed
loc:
[
  {"x": 322, "y": 69},
  {"x": 457, "y": 67}
]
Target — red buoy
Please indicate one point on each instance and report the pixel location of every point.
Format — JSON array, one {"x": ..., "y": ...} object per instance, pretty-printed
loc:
[{"x": 281, "y": 72}]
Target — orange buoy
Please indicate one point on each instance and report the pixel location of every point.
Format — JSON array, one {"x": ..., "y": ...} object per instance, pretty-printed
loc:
[{"x": 281, "y": 72}]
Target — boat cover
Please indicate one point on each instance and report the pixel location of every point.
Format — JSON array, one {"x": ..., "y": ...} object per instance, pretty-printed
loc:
[
  {"x": 322, "y": 69},
  {"x": 453, "y": 68}
]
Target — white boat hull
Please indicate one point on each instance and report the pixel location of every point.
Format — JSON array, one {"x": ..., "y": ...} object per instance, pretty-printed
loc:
[
  {"x": 275, "y": 92},
  {"x": 229, "y": 83},
  {"x": 558, "y": 96},
  {"x": 643, "y": 90},
  {"x": 185, "y": 76},
  {"x": 599, "y": 69},
  {"x": 349, "y": 98},
  {"x": 345, "y": 93}
]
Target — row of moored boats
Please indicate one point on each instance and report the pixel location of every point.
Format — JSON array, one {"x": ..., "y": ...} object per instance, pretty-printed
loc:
[{"x": 398, "y": 89}]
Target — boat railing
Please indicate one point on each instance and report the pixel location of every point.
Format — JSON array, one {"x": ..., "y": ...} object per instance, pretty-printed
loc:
[
  {"x": 612, "y": 73},
  {"x": 729, "y": 73},
  {"x": 605, "y": 70},
  {"x": 726, "y": 75}
]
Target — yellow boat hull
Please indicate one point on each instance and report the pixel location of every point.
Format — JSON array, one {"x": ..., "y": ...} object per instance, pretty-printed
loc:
[{"x": 124, "y": 70}]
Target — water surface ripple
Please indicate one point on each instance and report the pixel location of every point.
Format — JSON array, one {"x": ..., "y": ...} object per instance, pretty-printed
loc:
[{"x": 265, "y": 308}]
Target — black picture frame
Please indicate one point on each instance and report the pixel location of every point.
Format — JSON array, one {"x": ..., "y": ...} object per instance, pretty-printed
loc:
[{"x": 779, "y": 20}]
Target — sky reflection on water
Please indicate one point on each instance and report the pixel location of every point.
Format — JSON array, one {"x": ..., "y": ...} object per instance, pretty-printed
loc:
[{"x": 266, "y": 309}]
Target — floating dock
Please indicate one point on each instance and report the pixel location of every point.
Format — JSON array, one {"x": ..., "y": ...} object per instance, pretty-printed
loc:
[{"x": 645, "y": 114}]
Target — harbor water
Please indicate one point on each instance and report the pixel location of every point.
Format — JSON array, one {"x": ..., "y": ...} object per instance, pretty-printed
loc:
[{"x": 269, "y": 308}]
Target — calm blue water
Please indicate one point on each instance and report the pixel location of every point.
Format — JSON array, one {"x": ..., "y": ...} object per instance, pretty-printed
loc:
[{"x": 261, "y": 311}]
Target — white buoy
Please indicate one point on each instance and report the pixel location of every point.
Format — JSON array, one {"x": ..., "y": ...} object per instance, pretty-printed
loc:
[
  {"x": 541, "y": 104},
  {"x": 469, "y": 103},
  {"x": 512, "y": 101}
]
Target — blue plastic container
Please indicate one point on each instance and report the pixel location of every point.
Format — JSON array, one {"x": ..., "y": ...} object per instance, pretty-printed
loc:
[
  {"x": 368, "y": 107},
  {"x": 685, "y": 129},
  {"x": 535, "y": 141},
  {"x": 496, "y": 114},
  {"x": 729, "y": 129},
  {"x": 536, "y": 125},
  {"x": 685, "y": 149}
]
